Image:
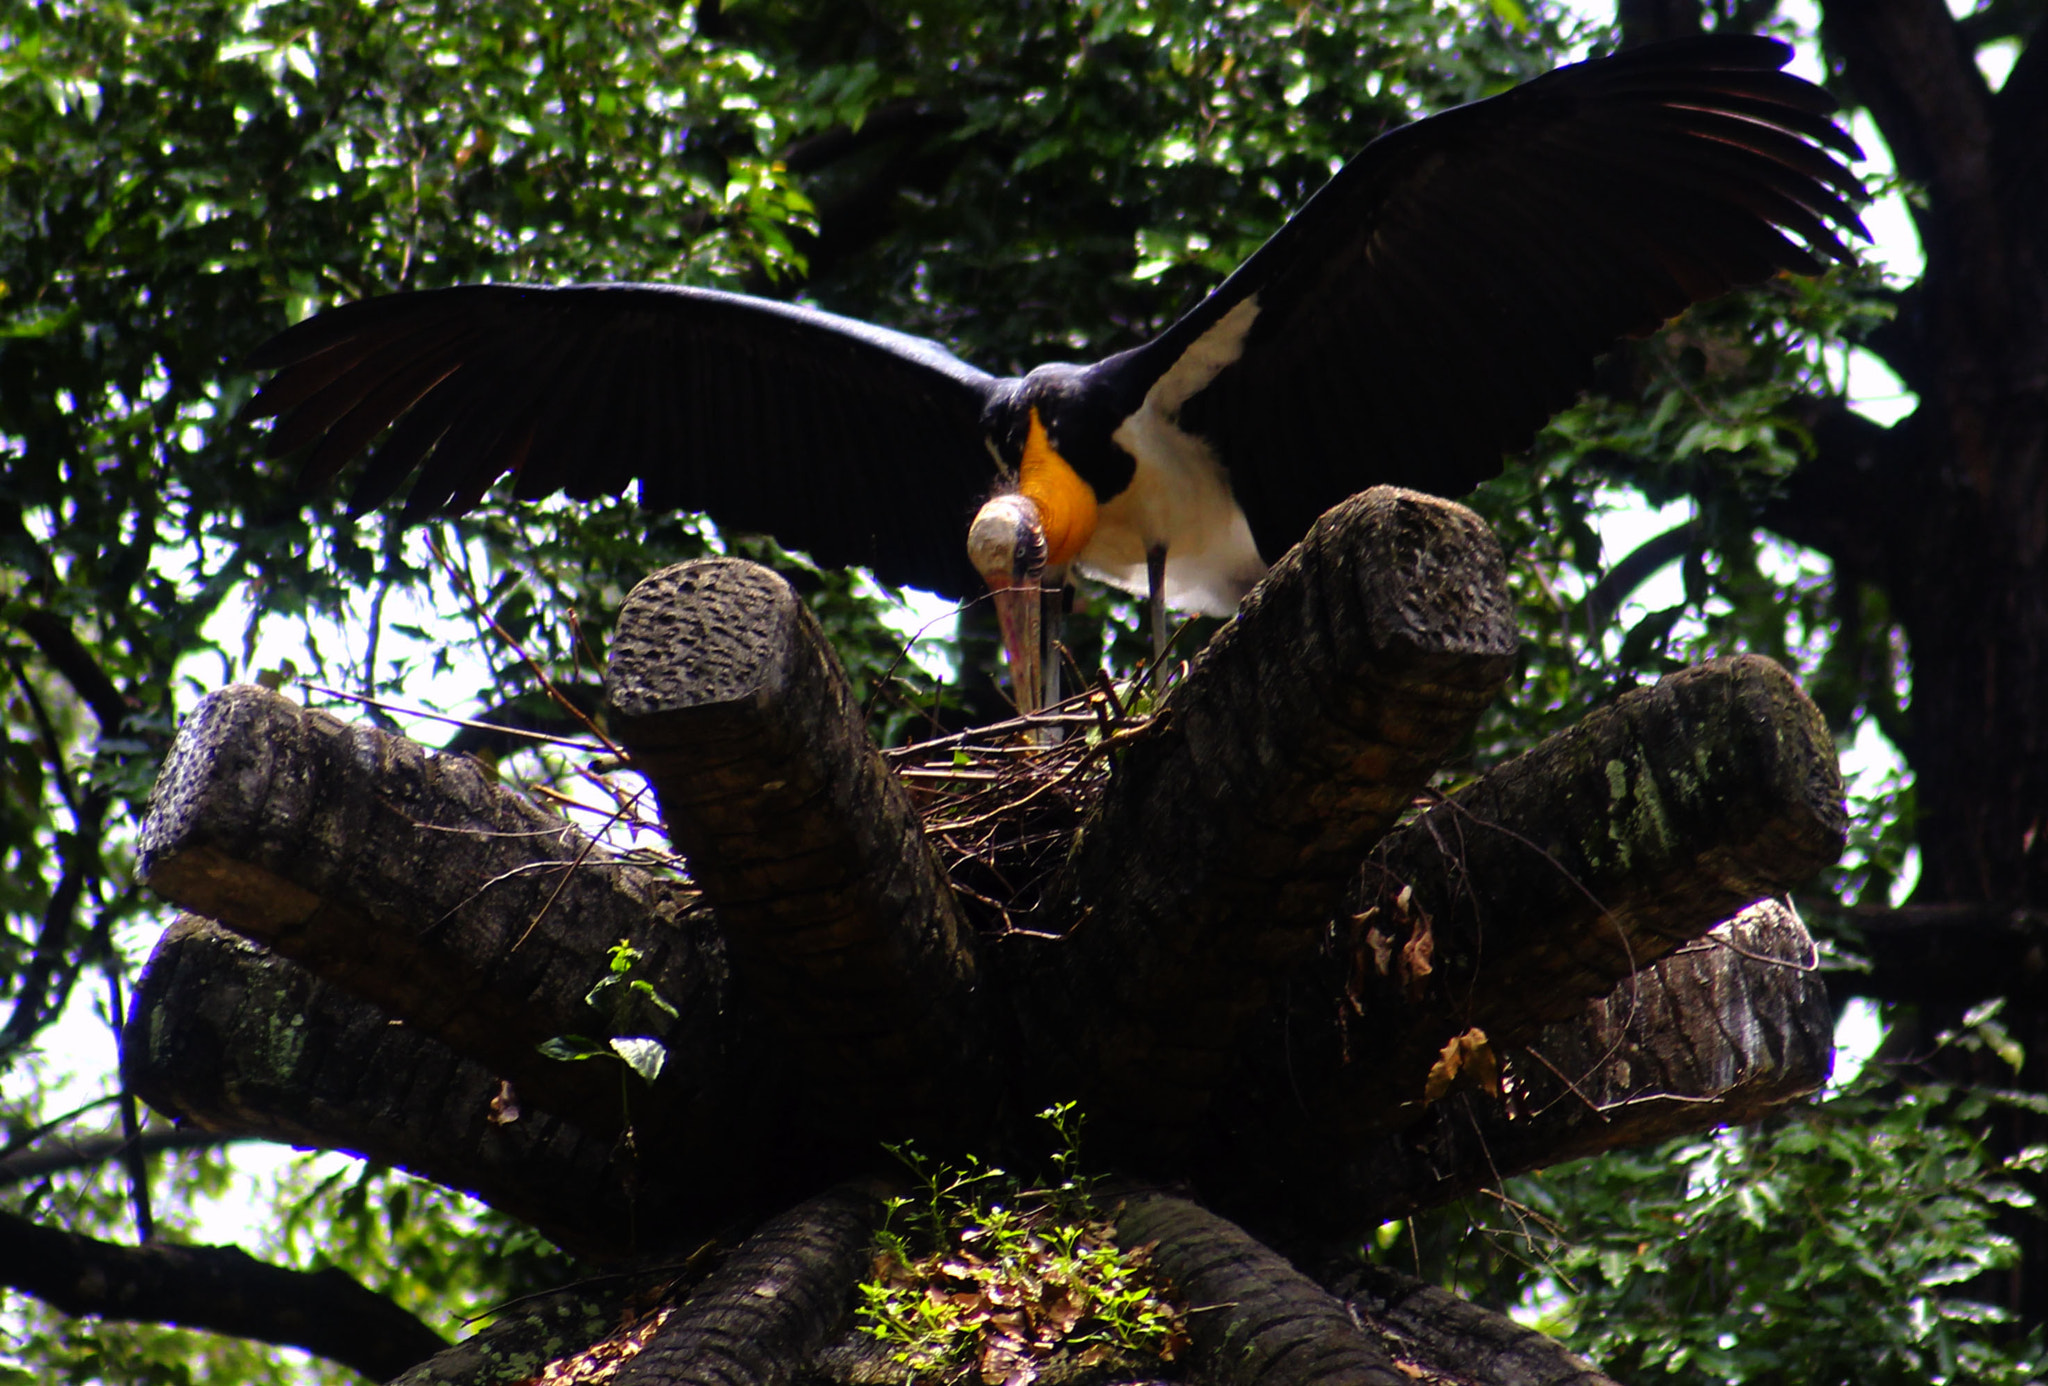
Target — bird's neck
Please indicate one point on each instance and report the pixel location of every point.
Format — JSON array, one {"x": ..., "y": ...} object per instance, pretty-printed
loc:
[{"x": 1066, "y": 504}]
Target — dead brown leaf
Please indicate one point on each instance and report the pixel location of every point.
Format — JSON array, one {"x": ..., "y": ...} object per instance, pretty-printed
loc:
[
  {"x": 1382, "y": 946},
  {"x": 1467, "y": 1060},
  {"x": 1416, "y": 952}
]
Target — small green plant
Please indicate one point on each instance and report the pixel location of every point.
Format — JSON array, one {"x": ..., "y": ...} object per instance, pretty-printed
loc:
[
  {"x": 978, "y": 1273},
  {"x": 622, "y": 1000}
]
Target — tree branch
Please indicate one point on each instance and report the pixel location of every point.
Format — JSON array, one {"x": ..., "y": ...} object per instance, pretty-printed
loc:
[
  {"x": 1563, "y": 872},
  {"x": 837, "y": 917},
  {"x": 1939, "y": 954},
  {"x": 54, "y": 1157},
  {"x": 416, "y": 881},
  {"x": 249, "y": 1044},
  {"x": 1475, "y": 1343},
  {"x": 1229, "y": 834},
  {"x": 64, "y": 652},
  {"x": 219, "y": 1289},
  {"x": 1844, "y": 500},
  {"x": 1637, "y": 568},
  {"x": 1257, "y": 1321}
]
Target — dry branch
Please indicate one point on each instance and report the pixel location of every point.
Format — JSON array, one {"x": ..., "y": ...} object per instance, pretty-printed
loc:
[
  {"x": 838, "y": 921},
  {"x": 89, "y": 1152},
  {"x": 415, "y": 881},
  {"x": 1727, "y": 1029},
  {"x": 1474, "y": 1343},
  {"x": 759, "y": 1319},
  {"x": 221, "y": 1289},
  {"x": 1228, "y": 836},
  {"x": 1257, "y": 1321},
  {"x": 1560, "y": 873},
  {"x": 235, "y": 1038}
]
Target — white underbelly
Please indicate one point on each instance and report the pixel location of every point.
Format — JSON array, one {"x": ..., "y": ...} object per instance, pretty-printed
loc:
[{"x": 1179, "y": 497}]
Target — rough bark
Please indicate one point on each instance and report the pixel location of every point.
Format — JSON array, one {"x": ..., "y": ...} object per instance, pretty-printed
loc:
[
  {"x": 1227, "y": 838},
  {"x": 221, "y": 1289},
  {"x": 1570, "y": 868},
  {"x": 1724, "y": 1031},
  {"x": 762, "y": 1316},
  {"x": 1257, "y": 1321},
  {"x": 1475, "y": 1343},
  {"x": 759, "y": 1319},
  {"x": 237, "y": 1039},
  {"x": 1727, "y": 1029},
  {"x": 837, "y": 919},
  {"x": 415, "y": 881}
]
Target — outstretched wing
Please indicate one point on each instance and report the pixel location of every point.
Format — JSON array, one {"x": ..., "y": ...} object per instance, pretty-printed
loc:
[
  {"x": 854, "y": 443},
  {"x": 1449, "y": 289}
]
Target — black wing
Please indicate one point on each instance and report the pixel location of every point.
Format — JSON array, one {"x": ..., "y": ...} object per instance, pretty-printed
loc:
[
  {"x": 854, "y": 443},
  {"x": 1449, "y": 289}
]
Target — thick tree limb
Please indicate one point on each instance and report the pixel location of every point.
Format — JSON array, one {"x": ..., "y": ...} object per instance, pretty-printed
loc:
[
  {"x": 1257, "y": 1321},
  {"x": 1561, "y": 873},
  {"x": 221, "y": 1289},
  {"x": 1456, "y": 1334},
  {"x": 417, "y": 882},
  {"x": 837, "y": 918},
  {"x": 1948, "y": 954},
  {"x": 238, "y": 1040},
  {"x": 1226, "y": 839},
  {"x": 1720, "y": 1033},
  {"x": 1724, "y": 1031},
  {"x": 760, "y": 1318},
  {"x": 524, "y": 1337}
]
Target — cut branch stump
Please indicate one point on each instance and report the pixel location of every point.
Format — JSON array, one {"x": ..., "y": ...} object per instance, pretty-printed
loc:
[
  {"x": 1227, "y": 839},
  {"x": 839, "y": 923},
  {"x": 1727, "y": 1029},
  {"x": 415, "y": 881},
  {"x": 1239, "y": 986},
  {"x": 1576, "y": 865},
  {"x": 239, "y": 1039}
]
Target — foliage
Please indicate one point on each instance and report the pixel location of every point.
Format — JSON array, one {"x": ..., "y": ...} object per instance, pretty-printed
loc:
[
  {"x": 180, "y": 178},
  {"x": 626, "y": 1004},
  {"x": 1847, "y": 1241},
  {"x": 981, "y": 1272}
]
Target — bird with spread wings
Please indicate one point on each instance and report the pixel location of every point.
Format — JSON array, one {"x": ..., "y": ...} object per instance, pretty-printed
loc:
[{"x": 1416, "y": 321}]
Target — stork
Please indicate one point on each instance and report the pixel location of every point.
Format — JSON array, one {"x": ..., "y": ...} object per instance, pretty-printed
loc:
[{"x": 1421, "y": 316}]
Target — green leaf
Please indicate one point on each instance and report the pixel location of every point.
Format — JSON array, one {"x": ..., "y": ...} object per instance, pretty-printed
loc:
[
  {"x": 569, "y": 1048},
  {"x": 644, "y": 1056}
]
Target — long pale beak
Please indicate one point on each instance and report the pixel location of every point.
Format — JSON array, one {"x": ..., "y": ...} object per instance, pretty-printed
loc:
[{"x": 1019, "y": 610}]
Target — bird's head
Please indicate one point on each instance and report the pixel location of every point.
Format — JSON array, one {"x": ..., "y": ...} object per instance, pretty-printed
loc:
[
  {"x": 1053, "y": 432},
  {"x": 1006, "y": 544}
]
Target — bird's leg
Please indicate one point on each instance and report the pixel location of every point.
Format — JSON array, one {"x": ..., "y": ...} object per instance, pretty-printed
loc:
[
  {"x": 1155, "y": 591},
  {"x": 1052, "y": 610}
]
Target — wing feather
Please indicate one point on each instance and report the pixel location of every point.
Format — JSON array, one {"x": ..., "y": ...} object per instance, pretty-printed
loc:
[
  {"x": 1449, "y": 289},
  {"x": 858, "y": 444}
]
